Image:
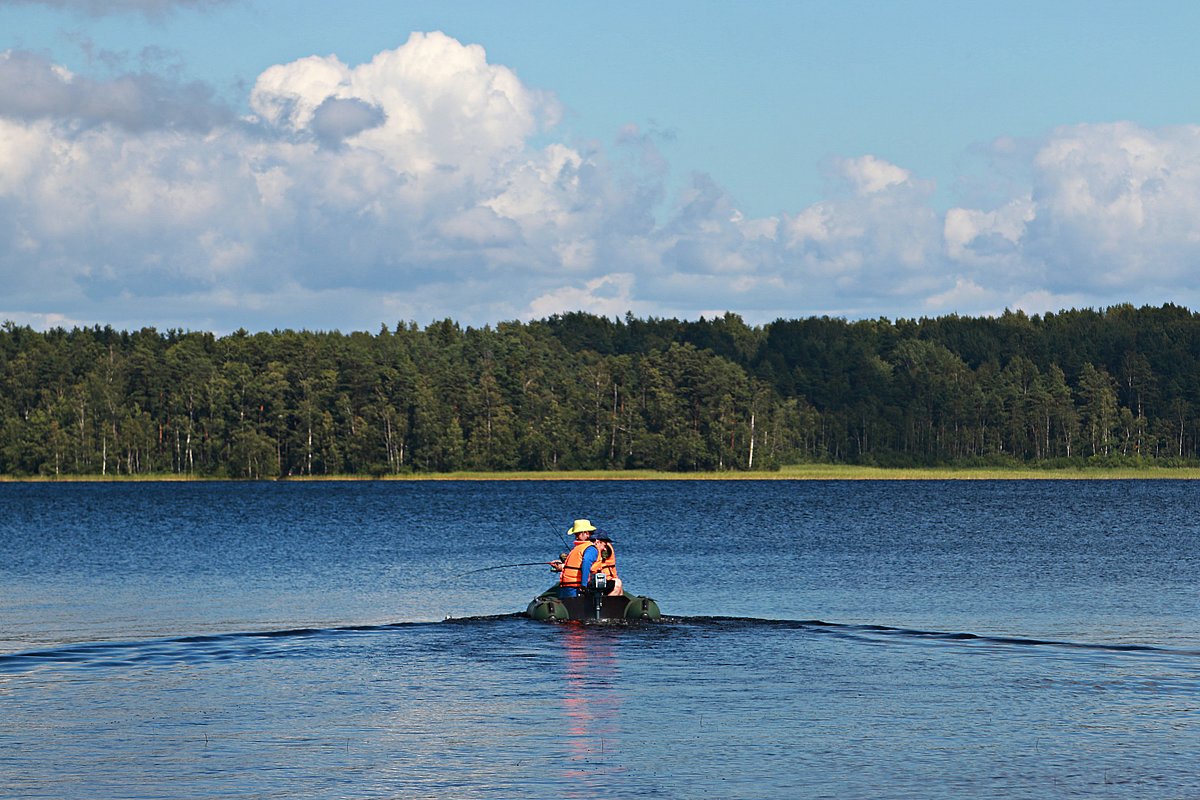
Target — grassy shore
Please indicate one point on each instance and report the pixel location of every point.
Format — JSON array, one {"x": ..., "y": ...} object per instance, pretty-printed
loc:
[
  {"x": 839, "y": 472},
  {"x": 796, "y": 472},
  {"x": 852, "y": 473}
]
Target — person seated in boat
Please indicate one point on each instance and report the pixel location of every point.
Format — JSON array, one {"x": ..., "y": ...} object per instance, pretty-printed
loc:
[
  {"x": 576, "y": 567},
  {"x": 606, "y": 563}
]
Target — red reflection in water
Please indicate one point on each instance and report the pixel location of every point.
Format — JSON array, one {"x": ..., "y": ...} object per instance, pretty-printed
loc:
[{"x": 591, "y": 706}]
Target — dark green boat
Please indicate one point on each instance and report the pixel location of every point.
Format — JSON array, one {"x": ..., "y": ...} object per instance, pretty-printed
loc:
[{"x": 593, "y": 606}]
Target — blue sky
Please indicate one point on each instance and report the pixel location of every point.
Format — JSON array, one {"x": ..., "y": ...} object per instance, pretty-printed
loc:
[{"x": 219, "y": 165}]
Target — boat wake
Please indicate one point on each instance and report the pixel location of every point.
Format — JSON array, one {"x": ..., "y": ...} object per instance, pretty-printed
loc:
[
  {"x": 293, "y": 642},
  {"x": 883, "y": 633},
  {"x": 185, "y": 649}
]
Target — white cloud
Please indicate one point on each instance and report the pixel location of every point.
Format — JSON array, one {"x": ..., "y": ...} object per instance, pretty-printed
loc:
[
  {"x": 121, "y": 214},
  {"x": 41, "y": 321},
  {"x": 427, "y": 183},
  {"x": 288, "y": 94},
  {"x": 608, "y": 295},
  {"x": 972, "y": 235},
  {"x": 872, "y": 245},
  {"x": 964, "y": 294},
  {"x": 445, "y": 110},
  {"x": 1041, "y": 301},
  {"x": 1115, "y": 207},
  {"x": 870, "y": 174}
]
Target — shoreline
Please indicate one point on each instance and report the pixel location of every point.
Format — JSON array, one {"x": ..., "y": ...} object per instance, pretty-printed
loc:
[{"x": 799, "y": 472}]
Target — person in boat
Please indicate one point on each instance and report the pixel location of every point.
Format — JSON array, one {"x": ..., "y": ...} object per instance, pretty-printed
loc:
[
  {"x": 606, "y": 562},
  {"x": 576, "y": 567}
]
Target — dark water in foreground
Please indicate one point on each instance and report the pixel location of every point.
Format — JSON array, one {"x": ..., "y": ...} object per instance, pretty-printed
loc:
[{"x": 920, "y": 640}]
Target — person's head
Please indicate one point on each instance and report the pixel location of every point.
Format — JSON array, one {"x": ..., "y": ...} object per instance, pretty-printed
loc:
[
  {"x": 603, "y": 543},
  {"x": 581, "y": 529}
]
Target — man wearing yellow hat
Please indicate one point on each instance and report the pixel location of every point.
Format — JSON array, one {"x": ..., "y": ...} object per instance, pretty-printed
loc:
[{"x": 575, "y": 567}]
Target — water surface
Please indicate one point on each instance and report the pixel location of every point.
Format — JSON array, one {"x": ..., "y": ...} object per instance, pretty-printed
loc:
[{"x": 823, "y": 639}]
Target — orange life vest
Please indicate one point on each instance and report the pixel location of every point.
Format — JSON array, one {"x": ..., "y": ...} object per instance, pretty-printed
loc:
[
  {"x": 606, "y": 562},
  {"x": 572, "y": 571}
]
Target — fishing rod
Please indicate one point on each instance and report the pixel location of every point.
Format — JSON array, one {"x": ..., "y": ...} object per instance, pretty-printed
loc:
[
  {"x": 560, "y": 539},
  {"x": 506, "y": 566},
  {"x": 559, "y": 544}
]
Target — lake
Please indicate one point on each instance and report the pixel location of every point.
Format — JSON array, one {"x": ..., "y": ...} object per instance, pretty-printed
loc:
[{"x": 842, "y": 639}]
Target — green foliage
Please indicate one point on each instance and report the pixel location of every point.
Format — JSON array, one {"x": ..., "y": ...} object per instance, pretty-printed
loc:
[{"x": 1081, "y": 388}]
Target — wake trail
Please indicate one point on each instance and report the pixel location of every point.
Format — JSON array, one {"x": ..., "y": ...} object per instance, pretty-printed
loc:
[
  {"x": 883, "y": 632},
  {"x": 291, "y": 642}
]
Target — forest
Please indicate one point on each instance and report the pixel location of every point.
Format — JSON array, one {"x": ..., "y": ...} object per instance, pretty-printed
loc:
[{"x": 1110, "y": 386}]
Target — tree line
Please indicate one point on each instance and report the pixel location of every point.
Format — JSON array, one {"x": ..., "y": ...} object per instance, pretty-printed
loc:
[{"x": 579, "y": 391}]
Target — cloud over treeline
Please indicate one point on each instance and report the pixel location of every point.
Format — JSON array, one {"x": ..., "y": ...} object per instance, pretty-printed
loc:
[{"x": 428, "y": 182}]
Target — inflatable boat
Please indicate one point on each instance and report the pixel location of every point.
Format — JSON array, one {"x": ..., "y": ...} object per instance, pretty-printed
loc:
[{"x": 591, "y": 605}]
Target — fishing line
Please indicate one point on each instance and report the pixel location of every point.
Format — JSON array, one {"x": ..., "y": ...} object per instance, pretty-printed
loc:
[
  {"x": 506, "y": 566},
  {"x": 560, "y": 539},
  {"x": 559, "y": 545}
]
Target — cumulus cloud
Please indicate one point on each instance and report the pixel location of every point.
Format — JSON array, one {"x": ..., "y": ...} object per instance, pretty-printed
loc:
[
  {"x": 871, "y": 245},
  {"x": 427, "y": 182},
  {"x": 1124, "y": 197},
  {"x": 1109, "y": 217},
  {"x": 443, "y": 108}
]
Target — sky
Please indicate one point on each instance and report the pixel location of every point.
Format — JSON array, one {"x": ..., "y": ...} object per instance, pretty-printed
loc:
[{"x": 225, "y": 164}]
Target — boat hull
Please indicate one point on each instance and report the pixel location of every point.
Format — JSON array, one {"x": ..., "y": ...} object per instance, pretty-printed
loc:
[{"x": 550, "y": 607}]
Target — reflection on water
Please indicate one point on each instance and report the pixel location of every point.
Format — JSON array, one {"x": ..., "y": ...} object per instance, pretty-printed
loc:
[{"x": 591, "y": 707}]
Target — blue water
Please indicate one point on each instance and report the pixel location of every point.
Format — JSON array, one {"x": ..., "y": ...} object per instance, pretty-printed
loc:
[{"x": 823, "y": 639}]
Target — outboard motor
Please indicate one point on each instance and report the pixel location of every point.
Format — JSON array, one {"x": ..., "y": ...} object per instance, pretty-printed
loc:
[{"x": 599, "y": 589}]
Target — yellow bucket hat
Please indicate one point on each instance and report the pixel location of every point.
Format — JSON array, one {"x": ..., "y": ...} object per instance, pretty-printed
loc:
[{"x": 581, "y": 526}]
